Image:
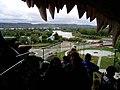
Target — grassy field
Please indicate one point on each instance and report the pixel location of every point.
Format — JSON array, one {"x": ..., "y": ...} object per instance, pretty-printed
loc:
[
  {"x": 106, "y": 61},
  {"x": 41, "y": 45}
]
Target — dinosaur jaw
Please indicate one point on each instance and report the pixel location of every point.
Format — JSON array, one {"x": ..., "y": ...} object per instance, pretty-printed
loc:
[{"x": 102, "y": 20}]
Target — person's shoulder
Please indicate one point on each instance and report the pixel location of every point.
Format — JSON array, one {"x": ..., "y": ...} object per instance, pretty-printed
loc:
[
  {"x": 84, "y": 62},
  {"x": 93, "y": 65}
]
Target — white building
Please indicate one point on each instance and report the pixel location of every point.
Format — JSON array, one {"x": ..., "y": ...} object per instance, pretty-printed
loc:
[{"x": 64, "y": 34}]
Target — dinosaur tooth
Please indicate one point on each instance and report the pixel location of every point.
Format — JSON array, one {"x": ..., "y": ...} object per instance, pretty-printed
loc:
[
  {"x": 115, "y": 32},
  {"x": 24, "y": 0},
  {"x": 88, "y": 11},
  {"x": 100, "y": 21},
  {"x": 51, "y": 8},
  {"x": 69, "y": 5},
  {"x": 81, "y": 9},
  {"x": 43, "y": 13},
  {"x": 58, "y": 5},
  {"x": 28, "y": 3},
  {"x": 93, "y": 16},
  {"x": 105, "y": 23},
  {"x": 110, "y": 26},
  {"x": 58, "y": 9},
  {"x": 42, "y": 6},
  {"x": 32, "y": 3},
  {"x": 62, "y": 4}
]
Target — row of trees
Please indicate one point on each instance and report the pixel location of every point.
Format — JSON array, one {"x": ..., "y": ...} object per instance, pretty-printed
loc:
[
  {"x": 34, "y": 36},
  {"x": 88, "y": 32}
]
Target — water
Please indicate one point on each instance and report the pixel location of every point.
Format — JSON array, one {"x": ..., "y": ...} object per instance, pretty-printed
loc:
[{"x": 97, "y": 52}]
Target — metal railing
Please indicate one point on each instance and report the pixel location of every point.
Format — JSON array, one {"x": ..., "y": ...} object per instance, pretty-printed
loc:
[{"x": 13, "y": 66}]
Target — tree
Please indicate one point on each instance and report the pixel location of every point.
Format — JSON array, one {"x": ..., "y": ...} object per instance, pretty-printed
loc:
[{"x": 56, "y": 36}]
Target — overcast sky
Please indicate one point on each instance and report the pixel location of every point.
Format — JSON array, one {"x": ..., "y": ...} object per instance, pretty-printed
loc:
[{"x": 18, "y": 11}]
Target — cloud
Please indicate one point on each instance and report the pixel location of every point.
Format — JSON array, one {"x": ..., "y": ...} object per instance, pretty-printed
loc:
[{"x": 18, "y": 11}]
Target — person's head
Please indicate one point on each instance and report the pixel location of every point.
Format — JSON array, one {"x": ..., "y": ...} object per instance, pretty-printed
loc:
[
  {"x": 88, "y": 57},
  {"x": 55, "y": 62},
  {"x": 73, "y": 49},
  {"x": 16, "y": 45},
  {"x": 75, "y": 58},
  {"x": 111, "y": 70},
  {"x": 45, "y": 66},
  {"x": 65, "y": 59}
]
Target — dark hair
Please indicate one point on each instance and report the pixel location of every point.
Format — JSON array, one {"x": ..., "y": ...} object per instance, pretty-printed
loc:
[
  {"x": 88, "y": 57},
  {"x": 55, "y": 61},
  {"x": 73, "y": 49},
  {"x": 65, "y": 59},
  {"x": 76, "y": 56},
  {"x": 111, "y": 69}
]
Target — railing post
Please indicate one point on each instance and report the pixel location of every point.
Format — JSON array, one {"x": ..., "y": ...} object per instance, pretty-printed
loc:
[
  {"x": 43, "y": 52},
  {"x": 115, "y": 50}
]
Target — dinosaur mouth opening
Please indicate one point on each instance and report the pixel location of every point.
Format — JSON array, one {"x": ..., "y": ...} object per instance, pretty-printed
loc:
[{"x": 92, "y": 13}]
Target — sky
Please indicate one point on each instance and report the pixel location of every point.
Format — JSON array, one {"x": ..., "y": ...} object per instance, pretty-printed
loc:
[{"x": 17, "y": 11}]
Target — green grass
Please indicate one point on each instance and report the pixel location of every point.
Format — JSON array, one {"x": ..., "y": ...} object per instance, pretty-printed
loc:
[
  {"x": 100, "y": 48},
  {"x": 107, "y": 61},
  {"x": 94, "y": 59},
  {"x": 40, "y": 45},
  {"x": 60, "y": 54}
]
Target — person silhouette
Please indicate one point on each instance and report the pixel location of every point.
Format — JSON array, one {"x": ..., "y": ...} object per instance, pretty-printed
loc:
[
  {"x": 77, "y": 76},
  {"x": 90, "y": 66},
  {"x": 108, "y": 82},
  {"x": 54, "y": 74}
]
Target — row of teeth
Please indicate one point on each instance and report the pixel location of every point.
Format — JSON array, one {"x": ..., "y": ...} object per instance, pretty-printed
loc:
[{"x": 91, "y": 13}]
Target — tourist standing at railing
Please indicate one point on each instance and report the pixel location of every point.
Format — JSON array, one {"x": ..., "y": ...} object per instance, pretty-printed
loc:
[
  {"x": 90, "y": 67},
  {"x": 108, "y": 82},
  {"x": 54, "y": 76},
  {"x": 44, "y": 66},
  {"x": 76, "y": 75},
  {"x": 65, "y": 62},
  {"x": 118, "y": 84}
]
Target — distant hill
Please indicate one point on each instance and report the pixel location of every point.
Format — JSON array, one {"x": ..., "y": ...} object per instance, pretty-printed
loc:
[{"x": 29, "y": 25}]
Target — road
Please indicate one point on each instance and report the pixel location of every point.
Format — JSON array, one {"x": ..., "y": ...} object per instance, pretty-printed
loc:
[
  {"x": 46, "y": 52},
  {"x": 64, "y": 46}
]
